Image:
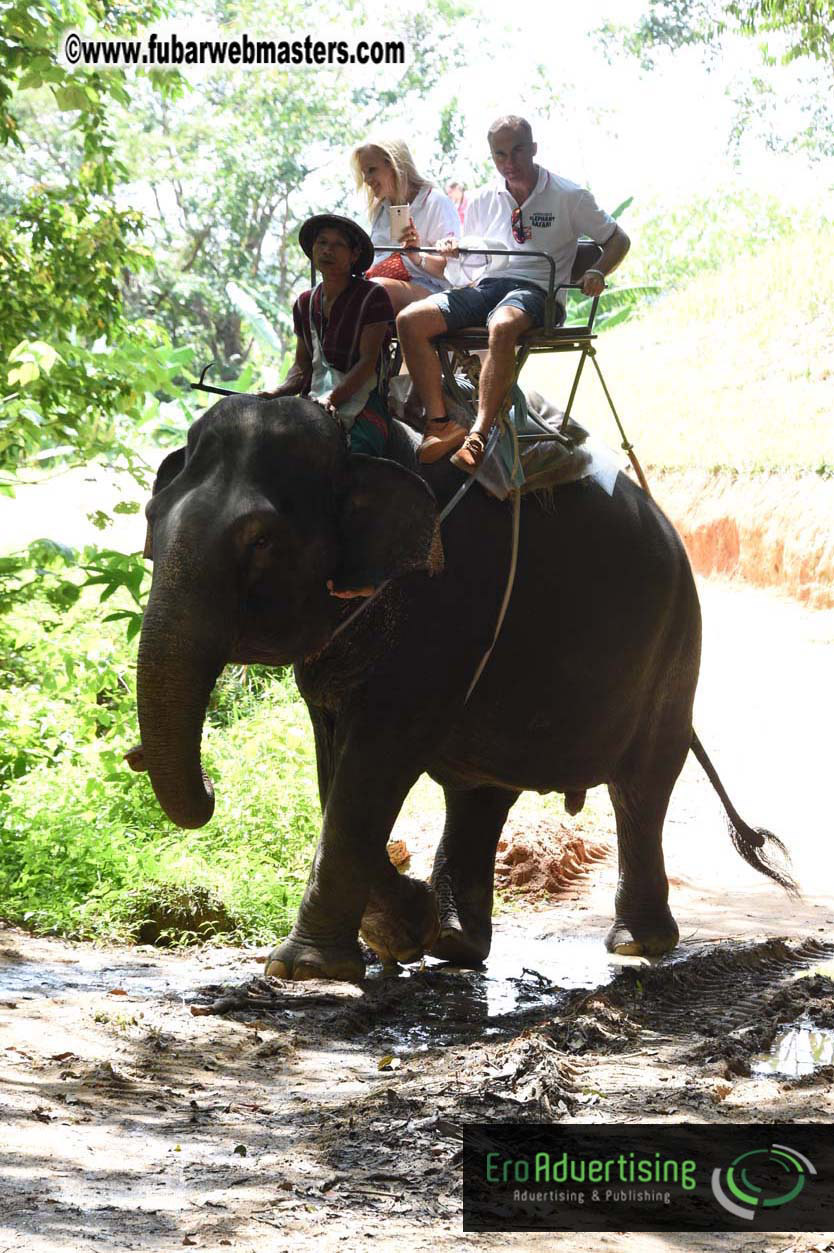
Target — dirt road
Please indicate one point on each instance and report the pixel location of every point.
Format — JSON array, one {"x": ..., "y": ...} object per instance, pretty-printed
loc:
[{"x": 329, "y": 1117}]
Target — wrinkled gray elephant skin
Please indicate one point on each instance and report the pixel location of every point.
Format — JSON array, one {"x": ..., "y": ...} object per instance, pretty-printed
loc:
[{"x": 591, "y": 681}]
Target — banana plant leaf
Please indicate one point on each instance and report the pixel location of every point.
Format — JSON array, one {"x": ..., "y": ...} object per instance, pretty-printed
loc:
[{"x": 248, "y": 308}]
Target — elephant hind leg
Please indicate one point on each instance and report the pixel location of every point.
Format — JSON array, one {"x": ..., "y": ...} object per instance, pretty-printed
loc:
[
  {"x": 464, "y": 870},
  {"x": 643, "y": 923}
]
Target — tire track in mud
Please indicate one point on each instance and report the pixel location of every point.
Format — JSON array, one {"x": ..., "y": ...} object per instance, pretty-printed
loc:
[
  {"x": 618, "y": 1052},
  {"x": 718, "y": 989},
  {"x": 699, "y": 1019},
  {"x": 349, "y": 1101}
]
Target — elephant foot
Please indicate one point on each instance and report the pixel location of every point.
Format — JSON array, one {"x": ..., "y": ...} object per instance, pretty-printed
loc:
[
  {"x": 643, "y": 940},
  {"x": 300, "y": 959},
  {"x": 461, "y": 944},
  {"x": 401, "y": 921},
  {"x": 465, "y": 922},
  {"x": 455, "y": 946}
]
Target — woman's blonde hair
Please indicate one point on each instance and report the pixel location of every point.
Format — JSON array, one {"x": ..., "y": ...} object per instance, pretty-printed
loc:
[{"x": 395, "y": 152}]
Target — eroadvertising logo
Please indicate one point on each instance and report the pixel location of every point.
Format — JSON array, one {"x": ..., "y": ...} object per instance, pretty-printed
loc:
[{"x": 648, "y": 1177}]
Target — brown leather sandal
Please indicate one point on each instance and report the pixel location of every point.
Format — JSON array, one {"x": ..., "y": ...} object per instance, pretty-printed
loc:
[
  {"x": 470, "y": 455},
  {"x": 443, "y": 435}
]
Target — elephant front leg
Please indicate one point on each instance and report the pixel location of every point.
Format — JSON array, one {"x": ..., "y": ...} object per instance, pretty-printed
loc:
[
  {"x": 464, "y": 871},
  {"x": 643, "y": 924},
  {"x": 323, "y": 941},
  {"x": 364, "y": 796}
]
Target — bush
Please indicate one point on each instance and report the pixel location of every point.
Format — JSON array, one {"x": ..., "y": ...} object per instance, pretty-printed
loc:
[{"x": 82, "y": 833}]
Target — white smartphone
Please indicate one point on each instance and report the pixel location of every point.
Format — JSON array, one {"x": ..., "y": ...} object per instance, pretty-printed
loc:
[{"x": 399, "y": 216}]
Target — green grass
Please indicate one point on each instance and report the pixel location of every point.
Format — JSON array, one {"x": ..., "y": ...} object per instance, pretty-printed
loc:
[
  {"x": 734, "y": 370},
  {"x": 81, "y": 833},
  {"x": 77, "y": 843}
]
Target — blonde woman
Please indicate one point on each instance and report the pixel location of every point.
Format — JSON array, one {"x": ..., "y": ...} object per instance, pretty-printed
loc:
[{"x": 386, "y": 170}]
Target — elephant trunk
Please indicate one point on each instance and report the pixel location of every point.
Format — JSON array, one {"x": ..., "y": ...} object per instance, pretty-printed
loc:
[{"x": 181, "y": 652}]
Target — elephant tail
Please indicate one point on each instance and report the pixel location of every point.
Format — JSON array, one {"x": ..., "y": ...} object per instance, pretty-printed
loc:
[{"x": 748, "y": 841}]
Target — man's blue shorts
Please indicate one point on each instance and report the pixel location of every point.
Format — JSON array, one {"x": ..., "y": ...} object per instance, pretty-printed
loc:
[{"x": 473, "y": 306}]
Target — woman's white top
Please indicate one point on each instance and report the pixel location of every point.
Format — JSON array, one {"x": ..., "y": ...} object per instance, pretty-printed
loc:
[{"x": 434, "y": 216}]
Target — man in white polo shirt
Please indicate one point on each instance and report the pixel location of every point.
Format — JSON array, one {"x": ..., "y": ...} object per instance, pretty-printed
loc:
[{"x": 528, "y": 209}]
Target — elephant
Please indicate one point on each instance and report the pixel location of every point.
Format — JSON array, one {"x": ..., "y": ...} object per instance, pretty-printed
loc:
[{"x": 266, "y": 513}]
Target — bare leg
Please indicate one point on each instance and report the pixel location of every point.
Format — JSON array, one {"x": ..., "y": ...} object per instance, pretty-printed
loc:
[
  {"x": 401, "y": 293},
  {"x": 498, "y": 369},
  {"x": 497, "y": 374},
  {"x": 416, "y": 327}
]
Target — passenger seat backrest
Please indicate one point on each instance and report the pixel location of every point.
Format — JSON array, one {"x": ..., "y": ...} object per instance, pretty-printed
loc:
[{"x": 587, "y": 255}]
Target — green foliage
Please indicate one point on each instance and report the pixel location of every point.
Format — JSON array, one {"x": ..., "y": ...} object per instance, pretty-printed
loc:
[
  {"x": 427, "y": 32},
  {"x": 66, "y": 683},
  {"x": 803, "y": 29},
  {"x": 75, "y": 376},
  {"x": 82, "y": 833},
  {"x": 38, "y": 573},
  {"x": 672, "y": 243},
  {"x": 29, "y": 61},
  {"x": 236, "y": 166},
  {"x": 667, "y": 24},
  {"x": 616, "y": 304},
  {"x": 451, "y": 132},
  {"x": 807, "y": 26},
  {"x": 120, "y": 570}
]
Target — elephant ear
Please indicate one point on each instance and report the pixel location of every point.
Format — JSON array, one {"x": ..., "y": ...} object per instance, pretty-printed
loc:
[
  {"x": 169, "y": 468},
  {"x": 389, "y": 525}
]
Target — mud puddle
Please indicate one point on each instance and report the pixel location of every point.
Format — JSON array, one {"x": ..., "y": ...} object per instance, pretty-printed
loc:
[
  {"x": 797, "y": 1050},
  {"x": 523, "y": 975},
  {"x": 95, "y": 972}
]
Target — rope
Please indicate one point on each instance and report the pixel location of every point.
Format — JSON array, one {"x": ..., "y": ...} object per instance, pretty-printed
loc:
[
  {"x": 508, "y": 591},
  {"x": 503, "y": 421},
  {"x": 455, "y": 500}
]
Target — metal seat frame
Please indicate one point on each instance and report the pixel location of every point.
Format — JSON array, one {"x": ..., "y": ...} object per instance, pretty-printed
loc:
[{"x": 549, "y": 338}]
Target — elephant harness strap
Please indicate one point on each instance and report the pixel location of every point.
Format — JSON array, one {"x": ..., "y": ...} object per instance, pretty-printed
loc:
[{"x": 455, "y": 500}]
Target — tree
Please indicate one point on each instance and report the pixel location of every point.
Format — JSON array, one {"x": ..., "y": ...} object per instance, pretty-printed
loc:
[
  {"x": 76, "y": 374},
  {"x": 236, "y": 166},
  {"x": 73, "y": 373},
  {"x": 804, "y": 30},
  {"x": 806, "y": 25}
]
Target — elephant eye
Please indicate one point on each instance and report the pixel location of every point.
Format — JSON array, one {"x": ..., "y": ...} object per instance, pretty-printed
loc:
[{"x": 261, "y": 542}]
